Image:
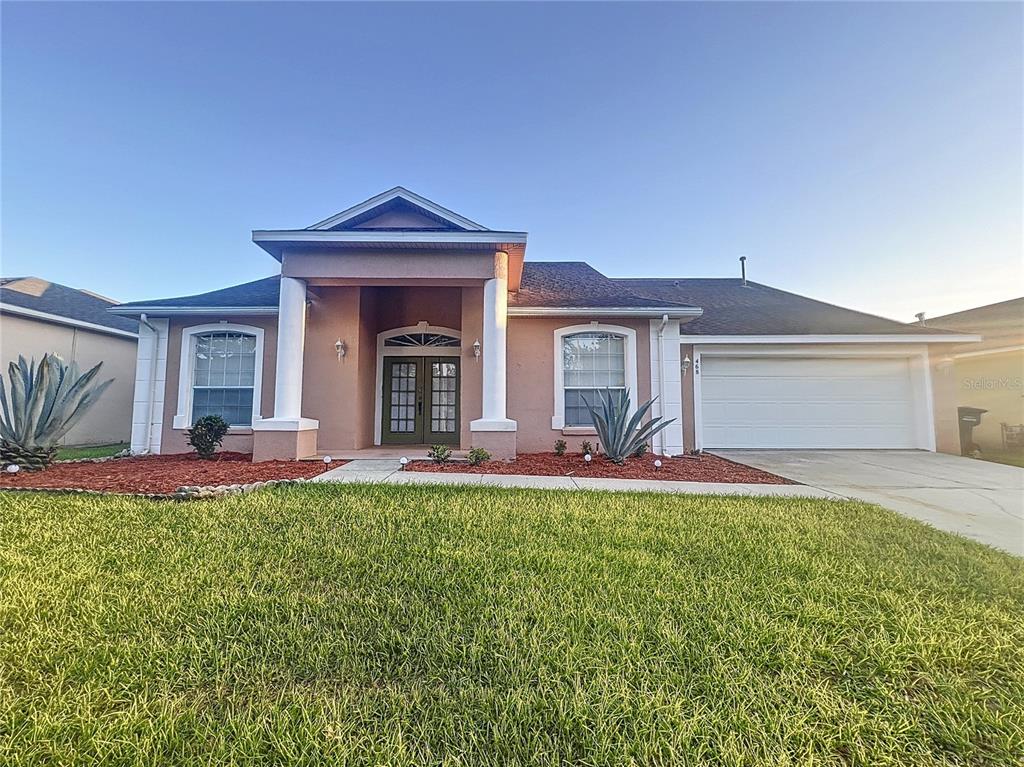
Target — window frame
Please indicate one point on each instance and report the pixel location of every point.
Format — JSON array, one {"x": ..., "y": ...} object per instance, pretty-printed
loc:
[
  {"x": 629, "y": 349},
  {"x": 186, "y": 370}
]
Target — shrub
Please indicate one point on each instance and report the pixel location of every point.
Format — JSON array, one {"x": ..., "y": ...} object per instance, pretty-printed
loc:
[
  {"x": 560, "y": 447},
  {"x": 439, "y": 453},
  {"x": 206, "y": 435},
  {"x": 477, "y": 456},
  {"x": 641, "y": 450},
  {"x": 622, "y": 434},
  {"x": 586, "y": 448},
  {"x": 46, "y": 401}
]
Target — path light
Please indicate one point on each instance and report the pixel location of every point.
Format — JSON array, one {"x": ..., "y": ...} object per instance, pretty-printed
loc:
[
  {"x": 327, "y": 459},
  {"x": 657, "y": 463},
  {"x": 13, "y": 468},
  {"x": 588, "y": 458},
  {"x": 403, "y": 460}
]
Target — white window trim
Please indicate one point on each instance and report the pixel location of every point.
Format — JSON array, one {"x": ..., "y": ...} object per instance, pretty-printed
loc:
[
  {"x": 186, "y": 370},
  {"x": 629, "y": 334},
  {"x": 408, "y": 351}
]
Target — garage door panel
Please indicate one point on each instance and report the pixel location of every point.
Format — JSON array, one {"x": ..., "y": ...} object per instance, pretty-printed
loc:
[{"x": 807, "y": 402}]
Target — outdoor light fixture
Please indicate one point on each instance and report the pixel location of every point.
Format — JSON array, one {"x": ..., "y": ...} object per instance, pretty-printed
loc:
[
  {"x": 403, "y": 460},
  {"x": 340, "y": 348},
  {"x": 588, "y": 458},
  {"x": 657, "y": 463},
  {"x": 327, "y": 459},
  {"x": 686, "y": 364},
  {"x": 476, "y": 348}
]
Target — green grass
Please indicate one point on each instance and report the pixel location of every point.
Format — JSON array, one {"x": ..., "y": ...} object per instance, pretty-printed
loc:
[
  {"x": 1009, "y": 457},
  {"x": 95, "y": 451},
  {"x": 408, "y": 625}
]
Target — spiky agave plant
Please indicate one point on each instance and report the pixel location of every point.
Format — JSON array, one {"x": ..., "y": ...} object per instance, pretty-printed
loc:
[
  {"x": 621, "y": 434},
  {"x": 46, "y": 401}
]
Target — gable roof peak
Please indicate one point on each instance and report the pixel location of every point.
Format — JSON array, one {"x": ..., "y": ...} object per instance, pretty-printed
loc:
[{"x": 397, "y": 197}]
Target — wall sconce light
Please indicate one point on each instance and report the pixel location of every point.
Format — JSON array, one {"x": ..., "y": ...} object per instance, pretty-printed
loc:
[
  {"x": 476, "y": 348},
  {"x": 340, "y": 348},
  {"x": 685, "y": 366}
]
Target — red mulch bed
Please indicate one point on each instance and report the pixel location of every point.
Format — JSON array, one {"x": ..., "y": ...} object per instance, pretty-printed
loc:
[
  {"x": 160, "y": 473},
  {"x": 702, "y": 468}
]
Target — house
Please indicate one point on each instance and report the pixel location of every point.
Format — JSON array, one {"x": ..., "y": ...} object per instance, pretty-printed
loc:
[
  {"x": 400, "y": 322},
  {"x": 38, "y": 316},
  {"x": 990, "y": 374}
]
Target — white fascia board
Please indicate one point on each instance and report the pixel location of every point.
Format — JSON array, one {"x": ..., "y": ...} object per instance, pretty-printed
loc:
[
  {"x": 987, "y": 352},
  {"x": 604, "y": 311},
  {"x": 59, "y": 320},
  {"x": 131, "y": 311},
  {"x": 833, "y": 339},
  {"x": 398, "y": 193},
  {"x": 315, "y": 237}
]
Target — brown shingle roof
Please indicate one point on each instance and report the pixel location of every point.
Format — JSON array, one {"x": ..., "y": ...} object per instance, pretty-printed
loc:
[
  {"x": 1000, "y": 324},
  {"x": 53, "y": 298},
  {"x": 730, "y": 308},
  {"x": 576, "y": 284},
  {"x": 259, "y": 293}
]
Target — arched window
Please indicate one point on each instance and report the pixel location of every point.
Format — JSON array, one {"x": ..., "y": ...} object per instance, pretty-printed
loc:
[
  {"x": 588, "y": 360},
  {"x": 220, "y": 374}
]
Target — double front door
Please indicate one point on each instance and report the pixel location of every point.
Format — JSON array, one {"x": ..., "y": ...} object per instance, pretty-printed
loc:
[{"x": 420, "y": 401}]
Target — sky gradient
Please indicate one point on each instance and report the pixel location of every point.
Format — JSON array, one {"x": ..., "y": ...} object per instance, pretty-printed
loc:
[{"x": 864, "y": 154}]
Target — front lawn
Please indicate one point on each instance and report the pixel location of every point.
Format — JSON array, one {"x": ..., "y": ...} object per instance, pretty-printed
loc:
[
  {"x": 89, "y": 451},
  {"x": 1011, "y": 457},
  {"x": 397, "y": 625}
]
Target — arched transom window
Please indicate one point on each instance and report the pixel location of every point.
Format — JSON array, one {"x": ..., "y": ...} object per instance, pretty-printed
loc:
[
  {"x": 591, "y": 362},
  {"x": 224, "y": 376},
  {"x": 432, "y": 340}
]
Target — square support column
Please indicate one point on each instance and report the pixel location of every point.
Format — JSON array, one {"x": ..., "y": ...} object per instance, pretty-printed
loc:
[
  {"x": 494, "y": 431},
  {"x": 287, "y": 436}
]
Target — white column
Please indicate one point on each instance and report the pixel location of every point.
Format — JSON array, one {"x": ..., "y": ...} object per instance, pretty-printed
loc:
[
  {"x": 150, "y": 385},
  {"x": 291, "y": 336},
  {"x": 666, "y": 385},
  {"x": 495, "y": 320}
]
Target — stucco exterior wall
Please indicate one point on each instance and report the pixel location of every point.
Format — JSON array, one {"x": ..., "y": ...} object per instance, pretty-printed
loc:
[
  {"x": 994, "y": 382},
  {"x": 389, "y": 266},
  {"x": 238, "y": 440},
  {"x": 531, "y": 391},
  {"x": 110, "y": 419}
]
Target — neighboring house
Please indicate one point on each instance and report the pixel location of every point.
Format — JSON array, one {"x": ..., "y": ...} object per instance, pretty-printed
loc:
[
  {"x": 990, "y": 374},
  {"x": 399, "y": 322},
  {"x": 38, "y": 316}
]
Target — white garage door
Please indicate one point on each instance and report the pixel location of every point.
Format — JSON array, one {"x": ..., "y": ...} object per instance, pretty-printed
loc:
[{"x": 783, "y": 402}]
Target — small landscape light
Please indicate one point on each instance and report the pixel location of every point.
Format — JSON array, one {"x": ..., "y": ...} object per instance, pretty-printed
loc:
[
  {"x": 657, "y": 463},
  {"x": 403, "y": 460},
  {"x": 327, "y": 459},
  {"x": 588, "y": 458},
  {"x": 12, "y": 468}
]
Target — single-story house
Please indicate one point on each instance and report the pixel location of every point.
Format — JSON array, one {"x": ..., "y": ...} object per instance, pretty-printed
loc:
[
  {"x": 39, "y": 317},
  {"x": 990, "y": 374},
  {"x": 400, "y": 322}
]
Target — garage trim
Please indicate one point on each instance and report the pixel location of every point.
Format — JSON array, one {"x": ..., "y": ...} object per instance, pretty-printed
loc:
[{"x": 921, "y": 380}]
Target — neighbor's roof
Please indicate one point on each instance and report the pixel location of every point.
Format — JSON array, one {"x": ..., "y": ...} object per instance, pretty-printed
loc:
[
  {"x": 999, "y": 325},
  {"x": 259, "y": 294},
  {"x": 731, "y": 308},
  {"x": 35, "y": 295},
  {"x": 569, "y": 284}
]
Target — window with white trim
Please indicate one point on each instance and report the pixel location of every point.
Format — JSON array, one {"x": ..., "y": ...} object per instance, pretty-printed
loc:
[
  {"x": 224, "y": 376},
  {"x": 591, "y": 362}
]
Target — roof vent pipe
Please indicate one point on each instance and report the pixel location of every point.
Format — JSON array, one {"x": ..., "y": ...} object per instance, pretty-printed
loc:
[
  {"x": 920, "y": 318},
  {"x": 743, "y": 270}
]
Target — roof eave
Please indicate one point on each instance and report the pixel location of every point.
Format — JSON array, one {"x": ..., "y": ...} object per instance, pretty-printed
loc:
[
  {"x": 131, "y": 311},
  {"x": 673, "y": 312},
  {"x": 58, "y": 319},
  {"x": 830, "y": 338},
  {"x": 274, "y": 241}
]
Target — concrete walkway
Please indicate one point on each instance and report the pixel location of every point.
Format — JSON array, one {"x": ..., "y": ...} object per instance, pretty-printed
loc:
[
  {"x": 389, "y": 471},
  {"x": 977, "y": 499}
]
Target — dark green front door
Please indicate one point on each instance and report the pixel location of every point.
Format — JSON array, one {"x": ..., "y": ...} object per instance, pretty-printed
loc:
[{"x": 420, "y": 401}]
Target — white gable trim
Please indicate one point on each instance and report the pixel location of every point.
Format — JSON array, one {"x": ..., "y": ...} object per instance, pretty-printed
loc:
[
  {"x": 832, "y": 339},
  {"x": 398, "y": 193},
  {"x": 60, "y": 320}
]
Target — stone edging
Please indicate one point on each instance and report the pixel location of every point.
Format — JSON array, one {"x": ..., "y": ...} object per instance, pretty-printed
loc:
[
  {"x": 126, "y": 453},
  {"x": 183, "y": 493}
]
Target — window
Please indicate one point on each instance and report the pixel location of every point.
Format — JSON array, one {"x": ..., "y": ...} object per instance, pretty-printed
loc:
[
  {"x": 591, "y": 362},
  {"x": 224, "y": 376}
]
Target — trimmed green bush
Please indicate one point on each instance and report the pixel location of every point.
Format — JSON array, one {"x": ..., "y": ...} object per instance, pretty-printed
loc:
[{"x": 207, "y": 434}]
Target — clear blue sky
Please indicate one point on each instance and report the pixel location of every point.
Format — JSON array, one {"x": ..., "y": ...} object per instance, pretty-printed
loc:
[{"x": 865, "y": 154}]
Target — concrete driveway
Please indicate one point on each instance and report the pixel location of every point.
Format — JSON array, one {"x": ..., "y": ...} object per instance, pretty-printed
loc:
[{"x": 981, "y": 500}]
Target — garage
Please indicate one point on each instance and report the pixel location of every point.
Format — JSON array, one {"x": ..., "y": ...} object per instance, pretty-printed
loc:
[{"x": 769, "y": 400}]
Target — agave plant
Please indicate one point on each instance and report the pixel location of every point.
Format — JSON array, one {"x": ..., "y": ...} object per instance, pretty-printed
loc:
[
  {"x": 46, "y": 401},
  {"x": 621, "y": 434}
]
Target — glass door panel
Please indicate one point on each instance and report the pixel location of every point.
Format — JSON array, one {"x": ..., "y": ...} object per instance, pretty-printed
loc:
[
  {"x": 402, "y": 401},
  {"x": 443, "y": 422}
]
